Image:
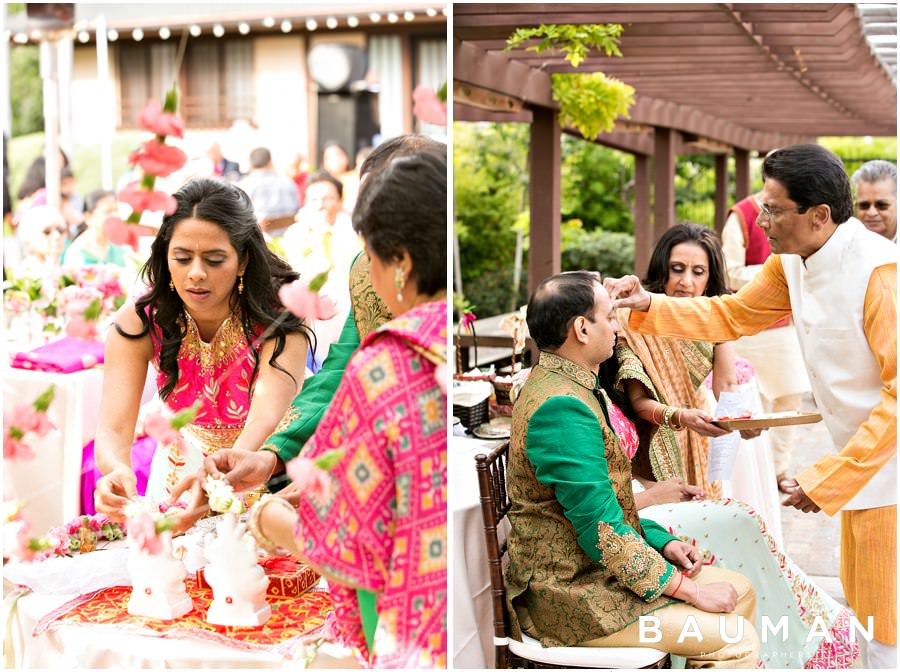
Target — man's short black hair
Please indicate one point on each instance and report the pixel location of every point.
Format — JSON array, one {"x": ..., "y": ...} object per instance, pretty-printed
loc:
[
  {"x": 812, "y": 175},
  {"x": 555, "y": 304}
]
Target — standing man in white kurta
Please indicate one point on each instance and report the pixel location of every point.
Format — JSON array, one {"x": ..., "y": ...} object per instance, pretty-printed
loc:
[{"x": 838, "y": 281}]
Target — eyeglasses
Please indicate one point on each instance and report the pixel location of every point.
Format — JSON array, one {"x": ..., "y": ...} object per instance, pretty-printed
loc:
[
  {"x": 769, "y": 213},
  {"x": 879, "y": 205},
  {"x": 61, "y": 230}
]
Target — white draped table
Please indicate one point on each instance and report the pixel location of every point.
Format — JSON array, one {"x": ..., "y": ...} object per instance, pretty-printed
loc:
[
  {"x": 50, "y": 484},
  {"x": 472, "y": 632}
]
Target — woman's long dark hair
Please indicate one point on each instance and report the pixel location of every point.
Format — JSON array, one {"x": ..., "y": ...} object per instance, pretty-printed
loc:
[
  {"x": 687, "y": 232},
  {"x": 258, "y": 306}
]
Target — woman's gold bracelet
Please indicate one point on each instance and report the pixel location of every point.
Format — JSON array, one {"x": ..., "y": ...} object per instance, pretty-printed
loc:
[
  {"x": 254, "y": 523},
  {"x": 667, "y": 418}
]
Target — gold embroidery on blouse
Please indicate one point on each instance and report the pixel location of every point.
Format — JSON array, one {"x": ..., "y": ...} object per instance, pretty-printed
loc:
[
  {"x": 369, "y": 311},
  {"x": 214, "y": 437},
  {"x": 291, "y": 415},
  {"x": 630, "y": 560},
  {"x": 226, "y": 344}
]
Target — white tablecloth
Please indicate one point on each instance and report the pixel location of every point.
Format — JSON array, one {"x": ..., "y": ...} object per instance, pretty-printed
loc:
[
  {"x": 472, "y": 632},
  {"x": 50, "y": 484}
]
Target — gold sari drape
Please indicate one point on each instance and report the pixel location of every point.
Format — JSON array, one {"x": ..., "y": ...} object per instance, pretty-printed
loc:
[{"x": 673, "y": 370}]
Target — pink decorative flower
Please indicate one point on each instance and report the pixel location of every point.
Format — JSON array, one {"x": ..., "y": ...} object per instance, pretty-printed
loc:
[
  {"x": 154, "y": 119},
  {"x": 159, "y": 426},
  {"x": 15, "y": 448},
  {"x": 158, "y": 158},
  {"x": 468, "y": 317},
  {"x": 141, "y": 199},
  {"x": 142, "y": 531},
  {"x": 16, "y": 540},
  {"x": 302, "y": 302},
  {"x": 115, "y": 230},
  {"x": 79, "y": 327},
  {"x": 309, "y": 477},
  {"x": 428, "y": 107},
  {"x": 29, "y": 419}
]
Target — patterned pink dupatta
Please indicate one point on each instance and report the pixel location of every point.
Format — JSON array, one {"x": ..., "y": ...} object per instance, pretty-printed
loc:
[{"x": 383, "y": 526}]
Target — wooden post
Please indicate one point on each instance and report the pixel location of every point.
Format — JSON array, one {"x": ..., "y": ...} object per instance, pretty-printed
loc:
[
  {"x": 741, "y": 173},
  {"x": 544, "y": 187},
  {"x": 643, "y": 230},
  {"x": 721, "y": 196},
  {"x": 664, "y": 181}
]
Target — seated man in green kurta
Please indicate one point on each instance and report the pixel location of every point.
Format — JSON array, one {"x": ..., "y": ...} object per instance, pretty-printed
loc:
[{"x": 583, "y": 567}]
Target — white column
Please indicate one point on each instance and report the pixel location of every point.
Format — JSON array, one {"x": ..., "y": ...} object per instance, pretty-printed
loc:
[
  {"x": 65, "y": 55},
  {"x": 105, "y": 105},
  {"x": 49, "y": 75}
]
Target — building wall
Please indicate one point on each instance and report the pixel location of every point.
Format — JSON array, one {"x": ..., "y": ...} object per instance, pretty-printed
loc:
[{"x": 282, "y": 98}]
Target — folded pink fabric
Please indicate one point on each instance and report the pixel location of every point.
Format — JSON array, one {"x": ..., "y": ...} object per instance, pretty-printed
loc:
[{"x": 63, "y": 356}]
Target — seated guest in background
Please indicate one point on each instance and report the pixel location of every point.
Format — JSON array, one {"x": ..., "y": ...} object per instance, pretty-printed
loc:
[
  {"x": 92, "y": 246},
  {"x": 382, "y": 526},
  {"x": 876, "y": 197},
  {"x": 222, "y": 167},
  {"x": 42, "y": 236},
  {"x": 323, "y": 239},
  {"x": 582, "y": 566},
  {"x": 212, "y": 326},
  {"x": 274, "y": 196}
]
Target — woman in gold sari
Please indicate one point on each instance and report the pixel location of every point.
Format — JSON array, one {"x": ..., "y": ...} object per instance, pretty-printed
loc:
[{"x": 663, "y": 377}]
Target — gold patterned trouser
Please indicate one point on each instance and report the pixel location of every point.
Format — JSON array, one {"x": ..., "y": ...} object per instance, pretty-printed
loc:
[{"x": 710, "y": 650}]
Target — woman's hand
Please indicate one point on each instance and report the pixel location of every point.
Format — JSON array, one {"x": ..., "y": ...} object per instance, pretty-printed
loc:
[
  {"x": 684, "y": 555},
  {"x": 672, "y": 490},
  {"x": 243, "y": 469},
  {"x": 718, "y": 598},
  {"x": 700, "y": 422},
  {"x": 114, "y": 491}
]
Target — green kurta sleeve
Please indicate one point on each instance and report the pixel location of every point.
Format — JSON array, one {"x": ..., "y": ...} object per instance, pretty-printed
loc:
[
  {"x": 574, "y": 465},
  {"x": 309, "y": 406},
  {"x": 656, "y": 535}
]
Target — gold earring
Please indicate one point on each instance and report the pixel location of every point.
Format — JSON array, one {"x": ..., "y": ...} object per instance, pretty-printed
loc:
[
  {"x": 399, "y": 283},
  {"x": 240, "y": 283},
  {"x": 171, "y": 285}
]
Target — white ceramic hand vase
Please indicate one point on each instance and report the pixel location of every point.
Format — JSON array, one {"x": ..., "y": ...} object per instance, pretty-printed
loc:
[
  {"x": 238, "y": 582},
  {"x": 157, "y": 582}
]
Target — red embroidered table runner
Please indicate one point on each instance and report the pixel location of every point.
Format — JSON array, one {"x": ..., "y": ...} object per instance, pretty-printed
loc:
[{"x": 293, "y": 619}]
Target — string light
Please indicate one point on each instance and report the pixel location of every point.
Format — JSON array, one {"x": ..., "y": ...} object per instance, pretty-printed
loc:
[
  {"x": 352, "y": 21},
  {"x": 218, "y": 30},
  {"x": 409, "y": 16},
  {"x": 375, "y": 17},
  {"x": 20, "y": 38},
  {"x": 331, "y": 22},
  {"x": 112, "y": 35},
  {"x": 268, "y": 22},
  {"x": 286, "y": 26},
  {"x": 311, "y": 24},
  {"x": 195, "y": 30},
  {"x": 165, "y": 33},
  {"x": 431, "y": 11},
  {"x": 243, "y": 27},
  {"x": 393, "y": 18},
  {"x": 83, "y": 36}
]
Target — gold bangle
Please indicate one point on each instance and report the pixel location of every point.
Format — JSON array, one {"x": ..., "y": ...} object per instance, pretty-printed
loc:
[
  {"x": 677, "y": 424},
  {"x": 254, "y": 523}
]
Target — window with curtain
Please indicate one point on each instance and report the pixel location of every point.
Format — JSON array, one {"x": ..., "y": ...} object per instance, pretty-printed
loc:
[{"x": 216, "y": 79}]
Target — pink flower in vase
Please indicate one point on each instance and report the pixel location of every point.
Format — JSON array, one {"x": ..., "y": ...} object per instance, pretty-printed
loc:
[
  {"x": 428, "y": 107},
  {"x": 153, "y": 118},
  {"x": 158, "y": 158},
  {"x": 29, "y": 419},
  {"x": 142, "y": 531},
  {"x": 303, "y": 302},
  {"x": 16, "y": 541},
  {"x": 142, "y": 199},
  {"x": 309, "y": 477}
]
